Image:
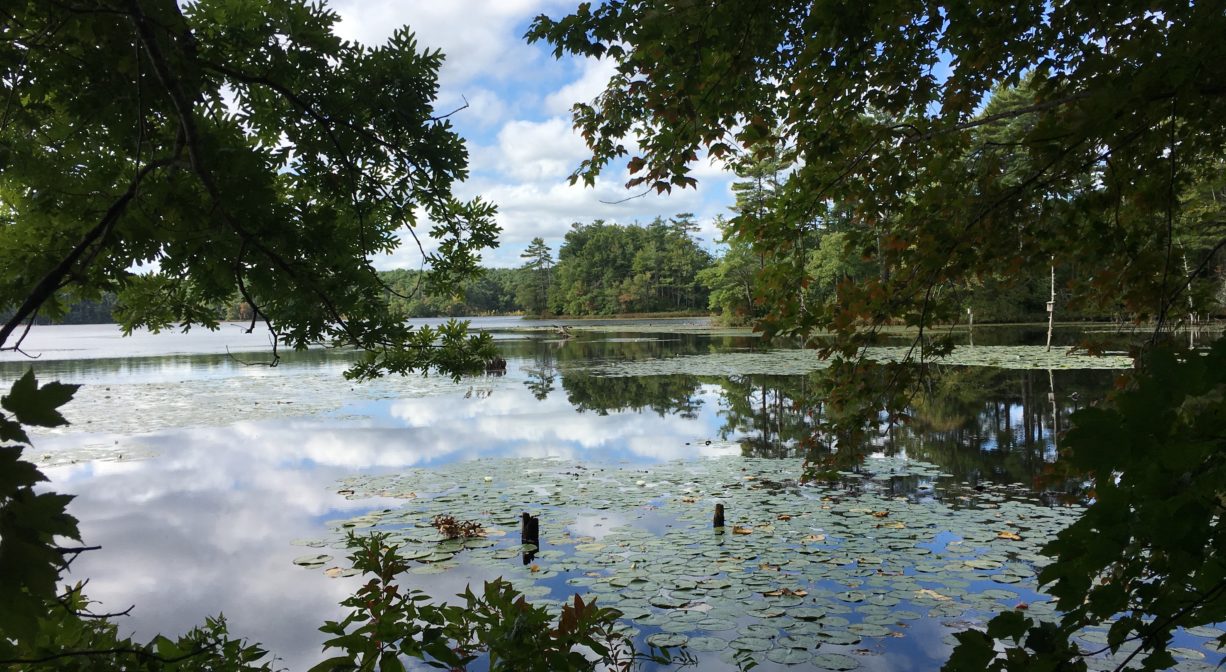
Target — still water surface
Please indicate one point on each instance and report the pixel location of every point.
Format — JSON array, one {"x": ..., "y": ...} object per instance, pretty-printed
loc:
[{"x": 195, "y": 469}]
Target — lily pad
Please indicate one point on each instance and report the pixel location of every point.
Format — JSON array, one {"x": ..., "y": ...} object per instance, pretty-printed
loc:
[
  {"x": 869, "y": 629},
  {"x": 806, "y": 613},
  {"x": 668, "y": 639},
  {"x": 788, "y": 656},
  {"x": 706, "y": 644},
  {"x": 834, "y": 661},
  {"x": 746, "y": 643},
  {"x": 838, "y": 637}
]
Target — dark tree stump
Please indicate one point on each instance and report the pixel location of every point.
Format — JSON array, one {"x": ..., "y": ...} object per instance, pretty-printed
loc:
[
  {"x": 496, "y": 366},
  {"x": 529, "y": 534}
]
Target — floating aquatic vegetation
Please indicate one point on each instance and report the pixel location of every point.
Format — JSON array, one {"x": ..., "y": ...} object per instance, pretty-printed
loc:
[
  {"x": 798, "y": 362},
  {"x": 109, "y": 451},
  {"x": 312, "y": 561},
  {"x": 142, "y": 407},
  {"x": 845, "y": 565},
  {"x": 697, "y": 327},
  {"x": 453, "y": 528}
]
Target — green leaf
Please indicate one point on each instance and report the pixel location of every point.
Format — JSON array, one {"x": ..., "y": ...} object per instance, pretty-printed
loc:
[
  {"x": 1009, "y": 624},
  {"x": 12, "y": 431},
  {"x": 390, "y": 662},
  {"x": 974, "y": 652},
  {"x": 334, "y": 663},
  {"x": 34, "y": 405},
  {"x": 16, "y": 473}
]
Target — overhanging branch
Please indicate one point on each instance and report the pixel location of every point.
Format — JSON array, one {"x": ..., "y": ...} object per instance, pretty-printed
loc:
[{"x": 57, "y": 277}]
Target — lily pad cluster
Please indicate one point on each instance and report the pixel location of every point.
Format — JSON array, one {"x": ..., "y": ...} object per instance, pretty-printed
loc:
[
  {"x": 141, "y": 407},
  {"x": 803, "y": 574},
  {"x": 812, "y": 574},
  {"x": 696, "y": 326},
  {"x": 787, "y": 362}
]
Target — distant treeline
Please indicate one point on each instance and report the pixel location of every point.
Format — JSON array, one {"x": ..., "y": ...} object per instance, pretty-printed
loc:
[
  {"x": 608, "y": 269},
  {"x": 601, "y": 269},
  {"x": 78, "y": 312},
  {"x": 101, "y": 311}
]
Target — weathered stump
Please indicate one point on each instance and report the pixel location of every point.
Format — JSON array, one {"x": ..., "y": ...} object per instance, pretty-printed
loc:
[
  {"x": 530, "y": 535},
  {"x": 496, "y": 366}
]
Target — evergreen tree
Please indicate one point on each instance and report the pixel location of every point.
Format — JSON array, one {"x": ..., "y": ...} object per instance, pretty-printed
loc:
[{"x": 533, "y": 290}]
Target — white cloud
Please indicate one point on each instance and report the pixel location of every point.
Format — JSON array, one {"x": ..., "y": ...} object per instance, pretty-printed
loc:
[
  {"x": 539, "y": 151},
  {"x": 595, "y": 75},
  {"x": 478, "y": 38}
]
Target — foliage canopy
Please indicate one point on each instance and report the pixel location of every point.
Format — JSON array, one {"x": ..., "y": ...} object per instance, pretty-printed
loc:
[
  {"x": 226, "y": 149},
  {"x": 883, "y": 104}
]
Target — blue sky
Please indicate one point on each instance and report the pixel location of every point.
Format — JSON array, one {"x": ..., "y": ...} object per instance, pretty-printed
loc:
[{"x": 517, "y": 125}]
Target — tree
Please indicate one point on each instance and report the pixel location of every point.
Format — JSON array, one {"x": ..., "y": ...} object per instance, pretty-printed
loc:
[
  {"x": 593, "y": 262},
  {"x": 492, "y": 292},
  {"x": 731, "y": 279},
  {"x": 1122, "y": 108},
  {"x": 832, "y": 263},
  {"x": 882, "y": 104},
  {"x": 683, "y": 260},
  {"x": 533, "y": 290},
  {"x": 1200, "y": 230},
  {"x": 604, "y": 269},
  {"x": 179, "y": 157},
  {"x": 236, "y": 150}
]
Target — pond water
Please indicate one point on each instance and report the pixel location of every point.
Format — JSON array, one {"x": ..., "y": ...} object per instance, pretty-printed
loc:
[{"x": 205, "y": 476}]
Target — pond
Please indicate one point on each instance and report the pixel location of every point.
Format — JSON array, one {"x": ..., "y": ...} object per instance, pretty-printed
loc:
[{"x": 205, "y": 477}]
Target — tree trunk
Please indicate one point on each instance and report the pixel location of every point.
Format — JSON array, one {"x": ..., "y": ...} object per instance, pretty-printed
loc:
[
  {"x": 1051, "y": 305},
  {"x": 1187, "y": 271}
]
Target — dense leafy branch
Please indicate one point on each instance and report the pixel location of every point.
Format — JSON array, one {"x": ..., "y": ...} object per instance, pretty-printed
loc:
[
  {"x": 80, "y": 255},
  {"x": 882, "y": 134},
  {"x": 330, "y": 150},
  {"x": 139, "y": 654}
]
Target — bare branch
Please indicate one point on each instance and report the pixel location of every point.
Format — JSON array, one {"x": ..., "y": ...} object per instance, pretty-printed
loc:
[
  {"x": 458, "y": 109},
  {"x": 1164, "y": 304},
  {"x": 270, "y": 364},
  {"x": 628, "y": 198}
]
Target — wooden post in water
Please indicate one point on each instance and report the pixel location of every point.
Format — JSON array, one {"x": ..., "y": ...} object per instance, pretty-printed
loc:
[
  {"x": 530, "y": 535},
  {"x": 718, "y": 521}
]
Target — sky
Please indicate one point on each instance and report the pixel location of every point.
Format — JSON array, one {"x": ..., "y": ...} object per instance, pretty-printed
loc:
[{"x": 517, "y": 125}]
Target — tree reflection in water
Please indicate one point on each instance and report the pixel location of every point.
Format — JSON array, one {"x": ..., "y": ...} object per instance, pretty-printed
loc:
[
  {"x": 976, "y": 423},
  {"x": 979, "y": 424}
]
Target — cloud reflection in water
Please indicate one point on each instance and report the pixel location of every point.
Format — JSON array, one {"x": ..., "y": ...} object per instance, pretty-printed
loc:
[{"x": 204, "y": 526}]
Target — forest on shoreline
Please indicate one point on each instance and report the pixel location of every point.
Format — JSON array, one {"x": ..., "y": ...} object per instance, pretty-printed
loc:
[{"x": 605, "y": 269}]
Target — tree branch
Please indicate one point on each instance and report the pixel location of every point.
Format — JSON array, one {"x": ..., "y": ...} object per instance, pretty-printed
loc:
[
  {"x": 458, "y": 109},
  {"x": 138, "y": 653},
  {"x": 184, "y": 110},
  {"x": 55, "y": 278}
]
